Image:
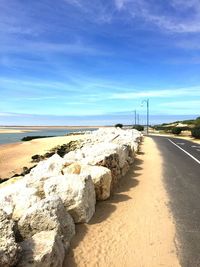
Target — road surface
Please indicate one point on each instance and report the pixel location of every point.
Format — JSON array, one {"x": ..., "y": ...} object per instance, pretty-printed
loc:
[{"x": 181, "y": 172}]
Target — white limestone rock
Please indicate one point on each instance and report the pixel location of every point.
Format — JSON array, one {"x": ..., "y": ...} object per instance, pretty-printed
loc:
[
  {"x": 43, "y": 249},
  {"x": 74, "y": 156},
  {"x": 107, "y": 155},
  {"x": 49, "y": 167},
  {"x": 123, "y": 152},
  {"x": 112, "y": 134},
  {"x": 9, "y": 249},
  {"x": 7, "y": 205},
  {"x": 101, "y": 178},
  {"x": 125, "y": 168},
  {"x": 77, "y": 193},
  {"x": 16, "y": 197},
  {"x": 74, "y": 168},
  {"x": 45, "y": 169},
  {"x": 48, "y": 214},
  {"x": 23, "y": 201}
]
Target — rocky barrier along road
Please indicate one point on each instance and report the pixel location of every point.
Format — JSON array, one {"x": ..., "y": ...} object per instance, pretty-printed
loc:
[{"x": 38, "y": 211}]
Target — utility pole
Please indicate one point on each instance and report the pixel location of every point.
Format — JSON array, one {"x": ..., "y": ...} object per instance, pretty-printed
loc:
[{"x": 147, "y": 103}]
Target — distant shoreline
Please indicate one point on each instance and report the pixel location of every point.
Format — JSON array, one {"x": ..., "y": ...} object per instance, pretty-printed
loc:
[
  {"x": 10, "y": 130},
  {"x": 26, "y": 129},
  {"x": 42, "y": 126}
]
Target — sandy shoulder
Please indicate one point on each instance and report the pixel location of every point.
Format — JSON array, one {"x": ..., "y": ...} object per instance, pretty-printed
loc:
[
  {"x": 135, "y": 227},
  {"x": 13, "y": 157}
]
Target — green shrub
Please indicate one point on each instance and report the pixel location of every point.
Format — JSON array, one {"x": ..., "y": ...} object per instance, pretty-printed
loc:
[
  {"x": 138, "y": 127},
  {"x": 197, "y": 122},
  {"x": 31, "y": 137},
  {"x": 186, "y": 128},
  {"x": 196, "y": 132},
  {"x": 118, "y": 125},
  {"x": 176, "y": 130},
  {"x": 163, "y": 128}
]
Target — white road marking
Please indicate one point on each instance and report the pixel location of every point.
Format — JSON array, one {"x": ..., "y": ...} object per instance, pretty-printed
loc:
[
  {"x": 181, "y": 144},
  {"x": 198, "y": 150},
  {"x": 196, "y": 146},
  {"x": 185, "y": 151}
]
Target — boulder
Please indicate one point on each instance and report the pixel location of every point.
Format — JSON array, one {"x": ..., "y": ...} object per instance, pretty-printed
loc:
[
  {"x": 73, "y": 168},
  {"x": 101, "y": 178},
  {"x": 74, "y": 156},
  {"x": 45, "y": 169},
  {"x": 23, "y": 201},
  {"x": 124, "y": 153},
  {"x": 101, "y": 154},
  {"x": 11, "y": 181},
  {"x": 112, "y": 163},
  {"x": 43, "y": 249},
  {"x": 16, "y": 197},
  {"x": 7, "y": 204},
  {"x": 77, "y": 193},
  {"x": 48, "y": 214},
  {"x": 117, "y": 153},
  {"x": 125, "y": 168},
  {"x": 9, "y": 249},
  {"x": 112, "y": 134}
]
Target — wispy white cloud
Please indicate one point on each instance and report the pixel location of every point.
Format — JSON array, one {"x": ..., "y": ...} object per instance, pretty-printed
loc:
[
  {"x": 189, "y": 104},
  {"x": 185, "y": 5},
  {"x": 96, "y": 11},
  {"x": 50, "y": 47},
  {"x": 9, "y": 83},
  {"x": 6, "y": 114},
  {"x": 78, "y": 3},
  {"x": 14, "y": 20},
  {"x": 164, "y": 93},
  {"x": 120, "y": 4},
  {"x": 187, "y": 60},
  {"x": 154, "y": 13},
  {"x": 189, "y": 44},
  {"x": 180, "y": 107}
]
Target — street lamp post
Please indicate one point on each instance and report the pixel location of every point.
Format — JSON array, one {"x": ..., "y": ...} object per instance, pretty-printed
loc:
[
  {"x": 147, "y": 103},
  {"x": 135, "y": 116}
]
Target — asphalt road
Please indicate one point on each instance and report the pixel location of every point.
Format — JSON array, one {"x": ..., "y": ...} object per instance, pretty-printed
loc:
[{"x": 181, "y": 172}]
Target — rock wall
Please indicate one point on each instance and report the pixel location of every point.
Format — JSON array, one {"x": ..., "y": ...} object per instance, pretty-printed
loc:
[{"x": 38, "y": 212}]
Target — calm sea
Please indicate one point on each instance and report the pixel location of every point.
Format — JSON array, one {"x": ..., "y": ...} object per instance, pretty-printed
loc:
[{"x": 16, "y": 137}]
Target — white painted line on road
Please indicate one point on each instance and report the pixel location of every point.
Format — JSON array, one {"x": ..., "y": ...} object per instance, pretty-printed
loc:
[
  {"x": 198, "y": 150},
  {"x": 197, "y": 147},
  {"x": 185, "y": 151},
  {"x": 181, "y": 144}
]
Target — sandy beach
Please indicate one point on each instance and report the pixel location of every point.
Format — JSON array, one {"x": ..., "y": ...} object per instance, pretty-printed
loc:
[
  {"x": 13, "y": 157},
  {"x": 134, "y": 228}
]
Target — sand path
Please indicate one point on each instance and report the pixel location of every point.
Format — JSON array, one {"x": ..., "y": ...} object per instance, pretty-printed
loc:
[
  {"x": 13, "y": 157},
  {"x": 135, "y": 227}
]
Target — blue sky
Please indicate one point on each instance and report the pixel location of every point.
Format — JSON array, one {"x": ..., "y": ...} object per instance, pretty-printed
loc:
[{"x": 92, "y": 62}]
